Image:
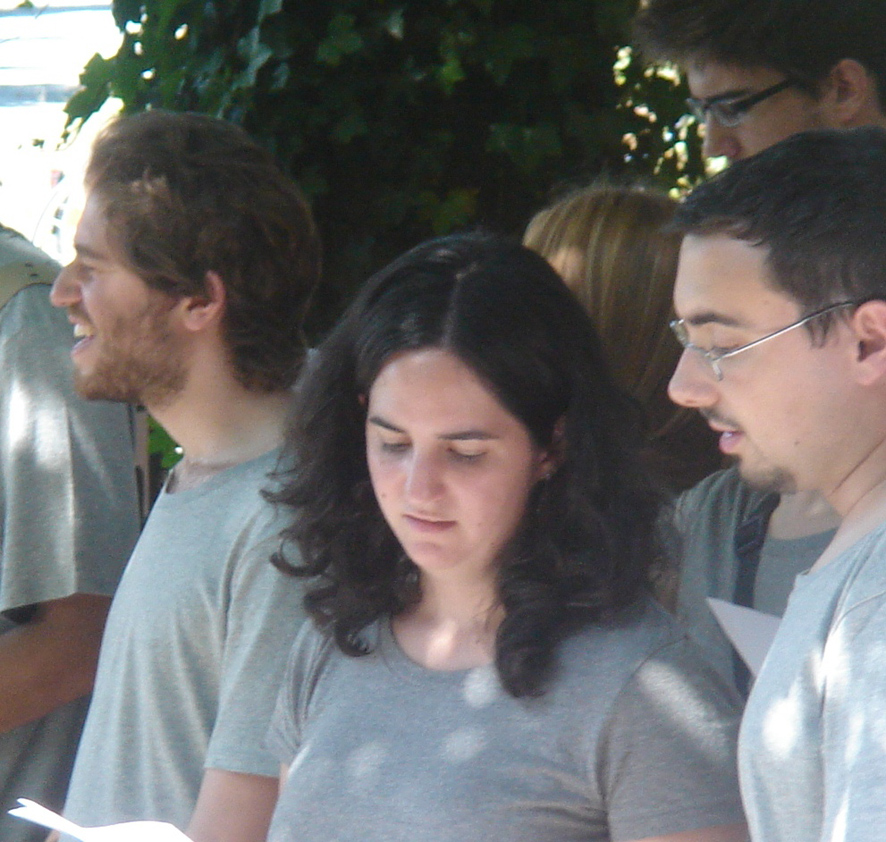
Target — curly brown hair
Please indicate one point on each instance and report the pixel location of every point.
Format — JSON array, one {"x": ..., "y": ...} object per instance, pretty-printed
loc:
[{"x": 188, "y": 194}]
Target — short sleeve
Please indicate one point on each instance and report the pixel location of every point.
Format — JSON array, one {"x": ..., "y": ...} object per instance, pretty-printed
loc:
[
  {"x": 668, "y": 759},
  {"x": 264, "y": 613},
  {"x": 284, "y": 734}
]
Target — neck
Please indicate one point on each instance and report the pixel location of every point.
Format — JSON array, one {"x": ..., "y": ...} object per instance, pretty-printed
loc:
[
  {"x": 860, "y": 498},
  {"x": 221, "y": 424},
  {"x": 800, "y": 514},
  {"x": 453, "y": 627}
]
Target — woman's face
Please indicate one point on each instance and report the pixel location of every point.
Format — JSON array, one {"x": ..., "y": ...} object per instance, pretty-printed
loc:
[{"x": 452, "y": 469}]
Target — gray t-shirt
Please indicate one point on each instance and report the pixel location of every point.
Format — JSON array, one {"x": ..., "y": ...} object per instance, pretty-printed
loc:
[
  {"x": 193, "y": 654},
  {"x": 708, "y": 517},
  {"x": 68, "y": 514},
  {"x": 635, "y": 737},
  {"x": 813, "y": 741}
]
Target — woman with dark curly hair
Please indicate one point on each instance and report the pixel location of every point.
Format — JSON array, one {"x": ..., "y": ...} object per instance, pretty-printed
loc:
[{"x": 477, "y": 532}]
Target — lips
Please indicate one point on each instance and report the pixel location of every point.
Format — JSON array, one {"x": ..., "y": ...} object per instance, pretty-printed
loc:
[
  {"x": 730, "y": 440},
  {"x": 84, "y": 333},
  {"x": 730, "y": 434},
  {"x": 428, "y": 525}
]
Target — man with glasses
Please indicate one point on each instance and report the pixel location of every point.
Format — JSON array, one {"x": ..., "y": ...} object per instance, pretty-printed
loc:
[
  {"x": 762, "y": 70},
  {"x": 780, "y": 299}
]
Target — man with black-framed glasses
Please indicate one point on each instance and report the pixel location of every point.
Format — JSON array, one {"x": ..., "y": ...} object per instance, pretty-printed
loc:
[
  {"x": 759, "y": 71},
  {"x": 780, "y": 300},
  {"x": 762, "y": 70}
]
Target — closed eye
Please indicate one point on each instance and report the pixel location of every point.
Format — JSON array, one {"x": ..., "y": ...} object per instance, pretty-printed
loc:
[
  {"x": 467, "y": 456},
  {"x": 394, "y": 446}
]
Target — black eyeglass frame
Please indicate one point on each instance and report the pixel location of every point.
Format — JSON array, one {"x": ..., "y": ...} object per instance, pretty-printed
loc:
[{"x": 730, "y": 111}]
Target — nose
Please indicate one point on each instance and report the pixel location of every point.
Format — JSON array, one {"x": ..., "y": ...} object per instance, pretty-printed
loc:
[
  {"x": 424, "y": 479},
  {"x": 693, "y": 383},
  {"x": 65, "y": 289},
  {"x": 720, "y": 141}
]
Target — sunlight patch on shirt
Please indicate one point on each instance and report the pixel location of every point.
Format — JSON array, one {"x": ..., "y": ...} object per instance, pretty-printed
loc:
[
  {"x": 781, "y": 726},
  {"x": 463, "y": 744},
  {"x": 31, "y": 429},
  {"x": 481, "y": 687},
  {"x": 365, "y": 761}
]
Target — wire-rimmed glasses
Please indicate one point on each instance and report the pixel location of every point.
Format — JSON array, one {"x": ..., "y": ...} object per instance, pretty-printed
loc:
[{"x": 714, "y": 356}]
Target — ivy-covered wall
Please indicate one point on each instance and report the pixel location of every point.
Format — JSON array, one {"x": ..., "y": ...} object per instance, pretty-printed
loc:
[{"x": 402, "y": 119}]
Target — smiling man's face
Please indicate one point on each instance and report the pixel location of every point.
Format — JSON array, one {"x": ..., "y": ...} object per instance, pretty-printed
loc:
[{"x": 128, "y": 349}]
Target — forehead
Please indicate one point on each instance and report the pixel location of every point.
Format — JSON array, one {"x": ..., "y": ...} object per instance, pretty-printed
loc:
[
  {"x": 92, "y": 237},
  {"x": 724, "y": 280},
  {"x": 426, "y": 369},
  {"x": 710, "y": 78},
  {"x": 433, "y": 387}
]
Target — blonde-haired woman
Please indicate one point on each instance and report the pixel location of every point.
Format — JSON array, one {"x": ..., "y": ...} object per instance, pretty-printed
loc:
[{"x": 612, "y": 247}]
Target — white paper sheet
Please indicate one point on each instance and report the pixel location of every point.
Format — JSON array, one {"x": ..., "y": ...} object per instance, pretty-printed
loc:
[
  {"x": 750, "y": 631},
  {"x": 126, "y": 832}
]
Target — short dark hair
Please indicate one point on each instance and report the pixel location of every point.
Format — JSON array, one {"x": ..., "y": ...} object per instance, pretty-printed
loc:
[
  {"x": 803, "y": 39},
  {"x": 589, "y": 535},
  {"x": 187, "y": 194},
  {"x": 817, "y": 202}
]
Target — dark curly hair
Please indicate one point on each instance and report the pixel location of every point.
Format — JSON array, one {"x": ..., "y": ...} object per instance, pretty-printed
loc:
[
  {"x": 588, "y": 538},
  {"x": 187, "y": 194}
]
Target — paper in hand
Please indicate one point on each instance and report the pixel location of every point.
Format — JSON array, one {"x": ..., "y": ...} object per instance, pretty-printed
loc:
[
  {"x": 749, "y": 631},
  {"x": 126, "y": 832}
]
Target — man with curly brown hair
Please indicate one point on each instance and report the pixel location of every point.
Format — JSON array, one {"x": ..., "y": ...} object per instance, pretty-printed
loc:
[{"x": 195, "y": 261}]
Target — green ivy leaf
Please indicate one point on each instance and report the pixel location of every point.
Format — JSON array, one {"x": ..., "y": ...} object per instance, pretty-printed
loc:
[{"x": 342, "y": 40}]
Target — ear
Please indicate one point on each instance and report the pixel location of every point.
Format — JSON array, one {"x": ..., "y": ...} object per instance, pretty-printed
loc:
[
  {"x": 849, "y": 96},
  {"x": 202, "y": 311},
  {"x": 552, "y": 456},
  {"x": 869, "y": 326}
]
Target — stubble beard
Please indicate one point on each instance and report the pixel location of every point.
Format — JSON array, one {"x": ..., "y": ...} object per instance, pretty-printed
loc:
[
  {"x": 767, "y": 480},
  {"x": 141, "y": 362}
]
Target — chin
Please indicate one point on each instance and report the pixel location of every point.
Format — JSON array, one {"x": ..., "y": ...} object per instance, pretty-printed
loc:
[{"x": 768, "y": 479}]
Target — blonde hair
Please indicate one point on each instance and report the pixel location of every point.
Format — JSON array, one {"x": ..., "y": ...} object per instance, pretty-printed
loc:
[{"x": 613, "y": 249}]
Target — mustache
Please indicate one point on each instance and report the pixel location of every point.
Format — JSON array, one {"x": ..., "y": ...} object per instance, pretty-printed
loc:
[
  {"x": 76, "y": 311},
  {"x": 713, "y": 417}
]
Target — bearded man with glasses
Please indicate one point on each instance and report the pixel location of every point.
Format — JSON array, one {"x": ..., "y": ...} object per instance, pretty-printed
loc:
[{"x": 780, "y": 299}]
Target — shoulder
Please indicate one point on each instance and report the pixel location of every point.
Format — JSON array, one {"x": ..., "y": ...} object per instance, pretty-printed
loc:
[
  {"x": 646, "y": 644},
  {"x": 313, "y": 652},
  {"x": 16, "y": 248},
  {"x": 864, "y": 588},
  {"x": 614, "y": 650},
  {"x": 29, "y": 315},
  {"x": 233, "y": 501}
]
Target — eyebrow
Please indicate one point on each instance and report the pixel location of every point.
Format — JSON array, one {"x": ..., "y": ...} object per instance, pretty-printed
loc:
[
  {"x": 84, "y": 250},
  {"x": 708, "y": 317},
  {"x": 461, "y": 435},
  {"x": 736, "y": 93}
]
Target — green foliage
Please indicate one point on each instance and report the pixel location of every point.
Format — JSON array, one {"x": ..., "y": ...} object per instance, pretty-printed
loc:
[
  {"x": 159, "y": 441},
  {"x": 404, "y": 119},
  {"x": 660, "y": 136},
  {"x": 401, "y": 119}
]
